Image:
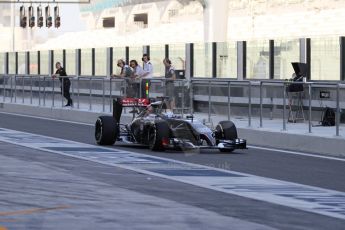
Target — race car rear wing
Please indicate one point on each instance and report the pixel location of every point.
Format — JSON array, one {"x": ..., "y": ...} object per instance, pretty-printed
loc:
[
  {"x": 119, "y": 103},
  {"x": 134, "y": 102}
]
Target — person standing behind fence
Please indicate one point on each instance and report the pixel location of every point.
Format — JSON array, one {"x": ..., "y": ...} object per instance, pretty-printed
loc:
[
  {"x": 65, "y": 83},
  {"x": 127, "y": 74},
  {"x": 170, "y": 76},
  {"x": 148, "y": 73},
  {"x": 138, "y": 73},
  {"x": 147, "y": 66}
]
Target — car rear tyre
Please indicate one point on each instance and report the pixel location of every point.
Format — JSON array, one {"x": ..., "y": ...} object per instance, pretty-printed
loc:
[
  {"x": 159, "y": 132},
  {"x": 106, "y": 130},
  {"x": 226, "y": 130}
]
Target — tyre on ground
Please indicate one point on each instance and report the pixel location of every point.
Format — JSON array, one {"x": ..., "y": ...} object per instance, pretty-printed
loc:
[
  {"x": 106, "y": 130},
  {"x": 159, "y": 132},
  {"x": 226, "y": 130}
]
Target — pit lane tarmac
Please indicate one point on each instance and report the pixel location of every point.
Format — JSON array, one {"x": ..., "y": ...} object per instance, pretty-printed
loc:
[{"x": 307, "y": 199}]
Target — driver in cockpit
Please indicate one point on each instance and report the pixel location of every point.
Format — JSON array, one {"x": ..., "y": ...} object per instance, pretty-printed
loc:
[{"x": 158, "y": 109}]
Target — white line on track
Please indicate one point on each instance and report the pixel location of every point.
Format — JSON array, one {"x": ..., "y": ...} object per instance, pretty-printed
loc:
[
  {"x": 249, "y": 146},
  {"x": 297, "y": 153},
  {"x": 47, "y": 119}
]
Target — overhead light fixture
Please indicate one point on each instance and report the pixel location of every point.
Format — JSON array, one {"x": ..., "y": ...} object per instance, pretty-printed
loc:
[
  {"x": 49, "y": 19},
  {"x": 31, "y": 17},
  {"x": 22, "y": 17},
  {"x": 39, "y": 16},
  {"x": 57, "y": 18}
]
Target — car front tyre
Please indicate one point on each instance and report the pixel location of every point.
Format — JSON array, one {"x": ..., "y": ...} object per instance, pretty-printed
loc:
[{"x": 226, "y": 130}]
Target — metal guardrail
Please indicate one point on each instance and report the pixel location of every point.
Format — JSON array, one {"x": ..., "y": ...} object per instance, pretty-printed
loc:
[
  {"x": 310, "y": 86},
  {"x": 83, "y": 86}
]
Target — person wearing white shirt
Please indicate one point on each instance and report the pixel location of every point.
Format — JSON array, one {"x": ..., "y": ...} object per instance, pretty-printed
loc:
[
  {"x": 137, "y": 75},
  {"x": 148, "y": 73},
  {"x": 147, "y": 66},
  {"x": 138, "y": 72}
]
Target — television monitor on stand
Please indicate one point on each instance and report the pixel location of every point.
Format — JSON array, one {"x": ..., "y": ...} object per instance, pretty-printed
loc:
[{"x": 300, "y": 70}]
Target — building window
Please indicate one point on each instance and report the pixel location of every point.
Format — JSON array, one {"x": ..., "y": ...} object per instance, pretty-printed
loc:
[
  {"x": 141, "y": 20},
  {"x": 109, "y": 22},
  {"x": 173, "y": 13}
]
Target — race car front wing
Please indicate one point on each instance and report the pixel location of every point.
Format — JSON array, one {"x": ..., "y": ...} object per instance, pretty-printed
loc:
[{"x": 176, "y": 143}]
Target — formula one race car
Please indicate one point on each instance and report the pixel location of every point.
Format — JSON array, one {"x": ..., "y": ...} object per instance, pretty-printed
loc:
[{"x": 154, "y": 126}]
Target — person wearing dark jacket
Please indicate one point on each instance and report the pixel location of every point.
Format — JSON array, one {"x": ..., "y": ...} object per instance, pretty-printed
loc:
[
  {"x": 65, "y": 83},
  {"x": 170, "y": 77}
]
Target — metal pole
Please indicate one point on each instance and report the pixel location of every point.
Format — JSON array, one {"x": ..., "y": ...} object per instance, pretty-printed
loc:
[
  {"x": 191, "y": 97},
  {"x": 284, "y": 107},
  {"x": 62, "y": 90},
  {"x": 209, "y": 101},
  {"x": 250, "y": 105},
  {"x": 4, "y": 91},
  {"x": 103, "y": 96},
  {"x": 72, "y": 89},
  {"x": 78, "y": 92},
  {"x": 90, "y": 91},
  {"x": 23, "y": 92},
  {"x": 39, "y": 90},
  {"x": 53, "y": 95},
  {"x": 110, "y": 96},
  {"x": 140, "y": 87},
  {"x": 148, "y": 92},
  {"x": 260, "y": 104},
  {"x": 72, "y": 85},
  {"x": 182, "y": 98},
  {"x": 310, "y": 92},
  {"x": 125, "y": 90},
  {"x": 229, "y": 102},
  {"x": 147, "y": 87},
  {"x": 125, "y": 93},
  {"x": 338, "y": 111},
  {"x": 15, "y": 89},
  {"x": 44, "y": 91},
  {"x": 30, "y": 90}
]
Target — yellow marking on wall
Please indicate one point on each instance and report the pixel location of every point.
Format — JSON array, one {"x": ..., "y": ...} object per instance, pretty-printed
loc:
[
  {"x": 31, "y": 211},
  {"x": 9, "y": 220}
]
